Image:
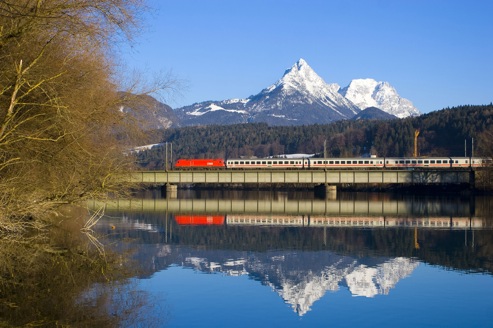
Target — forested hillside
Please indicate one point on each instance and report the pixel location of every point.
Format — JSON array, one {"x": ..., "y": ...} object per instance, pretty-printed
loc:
[{"x": 442, "y": 133}]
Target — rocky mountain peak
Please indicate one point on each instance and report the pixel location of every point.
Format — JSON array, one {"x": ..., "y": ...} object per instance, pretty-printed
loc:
[
  {"x": 302, "y": 78},
  {"x": 370, "y": 93}
]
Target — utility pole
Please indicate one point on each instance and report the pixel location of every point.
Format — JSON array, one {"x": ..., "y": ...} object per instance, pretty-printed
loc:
[
  {"x": 325, "y": 148},
  {"x": 171, "y": 155},
  {"x": 166, "y": 157},
  {"x": 416, "y": 134}
]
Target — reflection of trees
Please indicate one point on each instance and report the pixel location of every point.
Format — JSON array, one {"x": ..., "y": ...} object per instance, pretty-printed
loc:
[
  {"x": 59, "y": 279},
  {"x": 450, "y": 248}
]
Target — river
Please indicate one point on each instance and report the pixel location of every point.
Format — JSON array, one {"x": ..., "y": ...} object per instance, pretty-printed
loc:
[{"x": 289, "y": 259}]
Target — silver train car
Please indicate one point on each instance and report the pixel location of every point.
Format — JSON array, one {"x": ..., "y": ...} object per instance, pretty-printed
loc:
[{"x": 354, "y": 163}]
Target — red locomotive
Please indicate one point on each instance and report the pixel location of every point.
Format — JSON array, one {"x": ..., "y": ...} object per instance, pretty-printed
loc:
[{"x": 200, "y": 163}]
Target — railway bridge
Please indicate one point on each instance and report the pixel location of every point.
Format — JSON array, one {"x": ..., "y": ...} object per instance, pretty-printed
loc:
[{"x": 329, "y": 179}]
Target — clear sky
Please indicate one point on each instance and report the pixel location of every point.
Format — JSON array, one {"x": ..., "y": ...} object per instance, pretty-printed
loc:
[{"x": 436, "y": 53}]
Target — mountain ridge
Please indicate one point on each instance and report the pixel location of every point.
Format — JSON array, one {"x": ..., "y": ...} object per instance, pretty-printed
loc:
[{"x": 300, "y": 97}]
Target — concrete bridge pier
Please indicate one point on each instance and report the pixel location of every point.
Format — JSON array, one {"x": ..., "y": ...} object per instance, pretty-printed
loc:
[
  {"x": 326, "y": 191},
  {"x": 171, "y": 191}
]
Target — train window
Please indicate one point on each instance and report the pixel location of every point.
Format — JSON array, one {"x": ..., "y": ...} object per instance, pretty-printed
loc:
[
  {"x": 292, "y": 162},
  {"x": 337, "y": 162},
  {"x": 264, "y": 162},
  {"x": 439, "y": 161},
  {"x": 467, "y": 161},
  {"x": 247, "y": 162},
  {"x": 401, "y": 162},
  {"x": 432, "y": 161},
  {"x": 360, "y": 162},
  {"x": 456, "y": 162},
  {"x": 355, "y": 162},
  {"x": 258, "y": 162},
  {"x": 413, "y": 162},
  {"x": 367, "y": 162},
  {"x": 274, "y": 162},
  {"x": 331, "y": 162},
  {"x": 408, "y": 162},
  {"x": 420, "y": 162},
  {"x": 236, "y": 162},
  {"x": 269, "y": 162},
  {"x": 286, "y": 162},
  {"x": 241, "y": 162},
  {"x": 427, "y": 161}
]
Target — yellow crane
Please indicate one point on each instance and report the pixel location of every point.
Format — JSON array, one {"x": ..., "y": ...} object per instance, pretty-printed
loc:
[{"x": 416, "y": 134}]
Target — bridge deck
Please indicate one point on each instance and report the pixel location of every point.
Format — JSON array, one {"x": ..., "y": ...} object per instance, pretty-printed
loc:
[{"x": 315, "y": 177}]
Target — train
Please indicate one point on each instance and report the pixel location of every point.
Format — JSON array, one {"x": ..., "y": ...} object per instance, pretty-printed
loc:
[{"x": 335, "y": 163}]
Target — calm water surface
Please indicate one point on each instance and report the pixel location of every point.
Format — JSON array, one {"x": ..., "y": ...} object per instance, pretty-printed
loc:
[{"x": 272, "y": 259}]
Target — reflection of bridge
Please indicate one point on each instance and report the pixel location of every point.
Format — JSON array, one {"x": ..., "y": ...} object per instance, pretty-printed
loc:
[
  {"x": 315, "y": 207},
  {"x": 309, "y": 177}
]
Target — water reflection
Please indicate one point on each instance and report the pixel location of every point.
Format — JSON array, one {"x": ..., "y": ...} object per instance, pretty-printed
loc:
[
  {"x": 303, "y": 248},
  {"x": 62, "y": 277},
  {"x": 302, "y": 278}
]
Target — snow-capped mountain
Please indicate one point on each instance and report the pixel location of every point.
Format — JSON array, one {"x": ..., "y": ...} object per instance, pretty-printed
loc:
[
  {"x": 370, "y": 93},
  {"x": 300, "y": 97}
]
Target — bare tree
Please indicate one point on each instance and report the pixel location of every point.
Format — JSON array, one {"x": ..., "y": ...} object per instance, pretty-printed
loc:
[
  {"x": 59, "y": 104},
  {"x": 484, "y": 178}
]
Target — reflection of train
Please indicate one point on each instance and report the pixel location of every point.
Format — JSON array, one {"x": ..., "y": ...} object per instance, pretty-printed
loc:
[
  {"x": 438, "y": 222},
  {"x": 199, "y": 219},
  {"x": 335, "y": 163}
]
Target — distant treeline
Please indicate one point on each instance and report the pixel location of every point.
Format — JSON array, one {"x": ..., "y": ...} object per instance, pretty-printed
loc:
[{"x": 448, "y": 132}]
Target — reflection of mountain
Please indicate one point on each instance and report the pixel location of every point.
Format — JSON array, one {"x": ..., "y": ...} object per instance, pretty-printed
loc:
[
  {"x": 368, "y": 281},
  {"x": 302, "y": 278}
]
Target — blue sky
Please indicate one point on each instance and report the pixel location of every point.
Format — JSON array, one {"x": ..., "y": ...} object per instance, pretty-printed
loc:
[{"x": 436, "y": 53}]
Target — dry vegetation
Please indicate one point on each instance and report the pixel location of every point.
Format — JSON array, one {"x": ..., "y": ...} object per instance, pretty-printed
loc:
[{"x": 59, "y": 117}]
